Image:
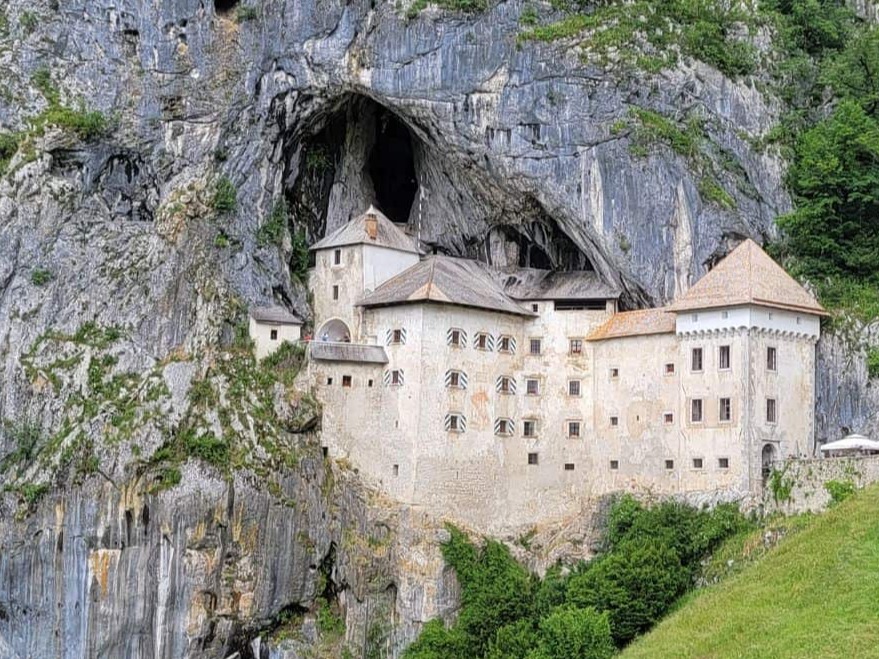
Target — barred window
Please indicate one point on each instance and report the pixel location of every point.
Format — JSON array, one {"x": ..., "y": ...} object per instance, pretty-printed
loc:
[
  {"x": 573, "y": 387},
  {"x": 573, "y": 429},
  {"x": 576, "y": 346},
  {"x": 535, "y": 346}
]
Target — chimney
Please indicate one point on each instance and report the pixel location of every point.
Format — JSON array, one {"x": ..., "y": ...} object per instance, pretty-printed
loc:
[{"x": 371, "y": 226}]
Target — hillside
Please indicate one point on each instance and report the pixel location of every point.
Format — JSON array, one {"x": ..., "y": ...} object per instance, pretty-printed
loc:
[{"x": 815, "y": 596}]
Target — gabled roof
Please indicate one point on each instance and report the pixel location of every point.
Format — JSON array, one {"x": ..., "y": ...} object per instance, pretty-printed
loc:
[
  {"x": 635, "y": 323},
  {"x": 747, "y": 276},
  {"x": 533, "y": 284},
  {"x": 448, "y": 280},
  {"x": 354, "y": 233},
  {"x": 347, "y": 352},
  {"x": 277, "y": 315}
]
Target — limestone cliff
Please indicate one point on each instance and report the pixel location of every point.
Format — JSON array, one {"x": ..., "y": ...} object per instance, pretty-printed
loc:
[{"x": 162, "y": 164}]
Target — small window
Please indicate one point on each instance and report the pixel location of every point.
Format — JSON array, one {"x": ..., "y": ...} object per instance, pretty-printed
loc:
[
  {"x": 696, "y": 410},
  {"x": 696, "y": 360},
  {"x": 697, "y": 463},
  {"x": 695, "y": 317},
  {"x": 454, "y": 379},
  {"x": 274, "y": 335},
  {"x": 535, "y": 346},
  {"x": 506, "y": 385},
  {"x": 329, "y": 381},
  {"x": 770, "y": 315},
  {"x": 456, "y": 338},
  {"x": 396, "y": 337},
  {"x": 573, "y": 387},
  {"x": 576, "y": 346},
  {"x": 532, "y": 458},
  {"x": 396, "y": 470},
  {"x": 369, "y": 382},
  {"x": 335, "y": 292},
  {"x": 723, "y": 463},
  {"x": 669, "y": 464},
  {"x": 532, "y": 387},
  {"x": 529, "y": 428},
  {"x": 346, "y": 381},
  {"x": 396, "y": 377},
  {"x": 725, "y": 412},
  {"x": 573, "y": 429},
  {"x": 614, "y": 465},
  {"x": 535, "y": 308},
  {"x": 482, "y": 341},
  {"x": 455, "y": 422},
  {"x": 723, "y": 358},
  {"x": 569, "y": 466},
  {"x": 771, "y": 411},
  {"x": 614, "y": 421},
  {"x": 799, "y": 320},
  {"x": 337, "y": 257},
  {"x": 506, "y": 344},
  {"x": 503, "y": 427},
  {"x": 670, "y": 368},
  {"x": 614, "y": 373},
  {"x": 668, "y": 418},
  {"x": 724, "y": 314},
  {"x": 771, "y": 359}
]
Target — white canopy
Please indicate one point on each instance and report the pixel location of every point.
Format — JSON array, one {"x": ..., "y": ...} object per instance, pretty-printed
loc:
[{"x": 852, "y": 443}]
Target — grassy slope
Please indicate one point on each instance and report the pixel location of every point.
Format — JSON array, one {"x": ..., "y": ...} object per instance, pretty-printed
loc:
[{"x": 817, "y": 595}]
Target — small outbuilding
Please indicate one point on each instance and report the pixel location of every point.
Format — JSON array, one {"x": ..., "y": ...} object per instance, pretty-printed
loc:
[
  {"x": 270, "y": 327},
  {"x": 850, "y": 445}
]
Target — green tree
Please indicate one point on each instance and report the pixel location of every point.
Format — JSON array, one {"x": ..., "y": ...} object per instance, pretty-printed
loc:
[{"x": 572, "y": 633}]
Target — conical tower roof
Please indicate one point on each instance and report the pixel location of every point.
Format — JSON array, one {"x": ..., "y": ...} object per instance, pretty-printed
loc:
[{"x": 748, "y": 276}]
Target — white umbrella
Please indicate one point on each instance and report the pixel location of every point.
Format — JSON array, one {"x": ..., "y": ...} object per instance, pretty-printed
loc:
[{"x": 852, "y": 443}]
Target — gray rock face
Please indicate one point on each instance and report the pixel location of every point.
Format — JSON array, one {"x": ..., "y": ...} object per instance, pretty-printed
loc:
[{"x": 508, "y": 151}]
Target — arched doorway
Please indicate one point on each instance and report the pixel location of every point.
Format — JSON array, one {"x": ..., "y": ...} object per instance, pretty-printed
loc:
[
  {"x": 767, "y": 457},
  {"x": 334, "y": 330}
]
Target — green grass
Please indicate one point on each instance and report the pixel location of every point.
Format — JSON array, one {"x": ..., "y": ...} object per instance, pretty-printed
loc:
[{"x": 815, "y": 595}]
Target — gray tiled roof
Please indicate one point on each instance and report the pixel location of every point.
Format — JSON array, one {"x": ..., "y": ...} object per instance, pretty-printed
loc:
[
  {"x": 354, "y": 233},
  {"x": 274, "y": 314},
  {"x": 532, "y": 284},
  {"x": 347, "y": 352},
  {"x": 448, "y": 280}
]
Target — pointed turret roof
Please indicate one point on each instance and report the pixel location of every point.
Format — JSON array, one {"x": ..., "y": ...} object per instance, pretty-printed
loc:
[
  {"x": 354, "y": 233},
  {"x": 446, "y": 280},
  {"x": 747, "y": 276}
]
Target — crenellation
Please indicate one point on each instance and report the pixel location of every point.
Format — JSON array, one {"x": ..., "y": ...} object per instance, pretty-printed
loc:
[{"x": 501, "y": 401}]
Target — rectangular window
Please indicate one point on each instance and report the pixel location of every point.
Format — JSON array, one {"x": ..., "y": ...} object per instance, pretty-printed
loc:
[
  {"x": 569, "y": 466},
  {"x": 771, "y": 359},
  {"x": 335, "y": 292},
  {"x": 573, "y": 429},
  {"x": 614, "y": 421},
  {"x": 337, "y": 257},
  {"x": 397, "y": 337},
  {"x": 369, "y": 382},
  {"x": 532, "y": 458},
  {"x": 771, "y": 411},
  {"x": 396, "y": 377},
  {"x": 503, "y": 427},
  {"x": 329, "y": 381},
  {"x": 396, "y": 470},
  {"x": 505, "y": 385},
  {"x": 696, "y": 360},
  {"x": 670, "y": 368},
  {"x": 535, "y": 346},
  {"x": 505, "y": 345},
  {"x": 697, "y": 463},
  {"x": 723, "y": 463},
  {"x": 455, "y": 338},
  {"x": 614, "y": 373},
  {"x": 535, "y": 308},
  {"x": 614, "y": 465},
  {"x": 532, "y": 387},
  {"x": 454, "y": 379},
  {"x": 482, "y": 341},
  {"x": 725, "y": 412},
  {"x": 529, "y": 428},
  {"x": 668, "y": 418},
  {"x": 346, "y": 381},
  {"x": 573, "y": 387},
  {"x": 724, "y": 314},
  {"x": 576, "y": 346},
  {"x": 274, "y": 335},
  {"x": 669, "y": 464},
  {"x": 723, "y": 358},
  {"x": 696, "y": 410},
  {"x": 454, "y": 422}
]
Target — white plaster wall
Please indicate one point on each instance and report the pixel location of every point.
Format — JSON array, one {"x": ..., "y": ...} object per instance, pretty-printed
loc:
[
  {"x": 748, "y": 316},
  {"x": 261, "y": 333},
  {"x": 381, "y": 263},
  {"x": 348, "y": 276}
]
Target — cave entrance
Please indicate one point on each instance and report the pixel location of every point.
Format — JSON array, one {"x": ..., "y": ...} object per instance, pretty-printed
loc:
[
  {"x": 224, "y": 6},
  {"x": 392, "y": 167}
]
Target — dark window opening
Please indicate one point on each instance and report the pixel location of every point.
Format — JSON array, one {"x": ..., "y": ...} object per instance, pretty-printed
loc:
[
  {"x": 392, "y": 167},
  {"x": 614, "y": 464},
  {"x": 346, "y": 381},
  {"x": 580, "y": 305},
  {"x": 669, "y": 464},
  {"x": 396, "y": 470},
  {"x": 329, "y": 381},
  {"x": 225, "y": 6},
  {"x": 569, "y": 466},
  {"x": 532, "y": 458},
  {"x": 274, "y": 335},
  {"x": 369, "y": 383}
]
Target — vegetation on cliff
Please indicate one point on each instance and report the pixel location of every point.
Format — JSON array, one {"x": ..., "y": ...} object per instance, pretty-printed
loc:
[
  {"x": 650, "y": 558},
  {"x": 813, "y": 596}
]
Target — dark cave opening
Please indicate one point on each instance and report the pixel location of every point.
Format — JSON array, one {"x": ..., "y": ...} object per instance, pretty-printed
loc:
[
  {"x": 392, "y": 167},
  {"x": 224, "y": 6}
]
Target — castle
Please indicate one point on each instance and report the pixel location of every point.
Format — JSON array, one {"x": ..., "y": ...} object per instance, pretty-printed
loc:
[{"x": 509, "y": 398}]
